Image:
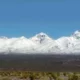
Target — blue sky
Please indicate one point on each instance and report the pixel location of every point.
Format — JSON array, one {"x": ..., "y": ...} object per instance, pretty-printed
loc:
[{"x": 28, "y": 17}]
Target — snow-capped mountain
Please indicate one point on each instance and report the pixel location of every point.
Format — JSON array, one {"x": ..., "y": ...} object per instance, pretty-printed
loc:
[
  {"x": 45, "y": 42},
  {"x": 41, "y": 38},
  {"x": 41, "y": 43}
]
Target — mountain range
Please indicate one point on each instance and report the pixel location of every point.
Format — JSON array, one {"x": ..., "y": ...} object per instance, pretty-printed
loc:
[{"x": 41, "y": 43}]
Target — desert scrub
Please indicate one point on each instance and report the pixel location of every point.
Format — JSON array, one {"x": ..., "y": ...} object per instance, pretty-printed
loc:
[
  {"x": 60, "y": 79},
  {"x": 65, "y": 73},
  {"x": 74, "y": 77},
  {"x": 23, "y": 76},
  {"x": 5, "y": 78},
  {"x": 54, "y": 76}
]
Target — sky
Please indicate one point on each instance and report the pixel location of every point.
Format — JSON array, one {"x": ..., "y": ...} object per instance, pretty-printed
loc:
[{"x": 29, "y": 17}]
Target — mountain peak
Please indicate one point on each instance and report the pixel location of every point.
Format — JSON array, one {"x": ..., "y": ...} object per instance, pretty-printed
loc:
[
  {"x": 42, "y": 33},
  {"x": 22, "y": 37},
  {"x": 41, "y": 37},
  {"x": 76, "y": 34}
]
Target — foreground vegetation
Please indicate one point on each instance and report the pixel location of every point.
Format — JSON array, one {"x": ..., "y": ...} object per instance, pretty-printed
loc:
[{"x": 25, "y": 75}]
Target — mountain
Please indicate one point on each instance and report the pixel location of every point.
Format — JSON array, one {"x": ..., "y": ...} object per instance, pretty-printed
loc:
[
  {"x": 70, "y": 44},
  {"x": 45, "y": 43},
  {"x": 41, "y": 38},
  {"x": 41, "y": 43},
  {"x": 76, "y": 34}
]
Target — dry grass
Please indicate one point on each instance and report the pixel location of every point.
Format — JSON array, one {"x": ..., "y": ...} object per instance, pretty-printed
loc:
[{"x": 25, "y": 75}]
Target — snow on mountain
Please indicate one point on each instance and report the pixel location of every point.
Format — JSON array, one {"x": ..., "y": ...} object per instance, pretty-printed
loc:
[
  {"x": 41, "y": 43},
  {"x": 41, "y": 38},
  {"x": 76, "y": 34},
  {"x": 65, "y": 42},
  {"x": 45, "y": 43},
  {"x": 70, "y": 44},
  {"x": 21, "y": 45}
]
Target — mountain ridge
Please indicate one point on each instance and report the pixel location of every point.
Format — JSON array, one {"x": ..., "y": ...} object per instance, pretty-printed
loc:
[{"x": 41, "y": 43}]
